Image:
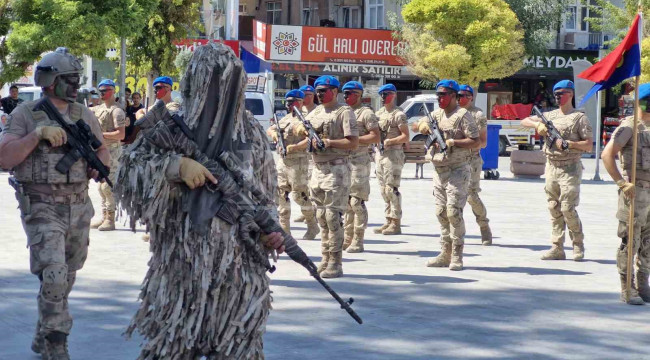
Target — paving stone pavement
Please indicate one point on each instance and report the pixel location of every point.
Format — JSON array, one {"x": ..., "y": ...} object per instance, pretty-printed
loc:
[{"x": 506, "y": 304}]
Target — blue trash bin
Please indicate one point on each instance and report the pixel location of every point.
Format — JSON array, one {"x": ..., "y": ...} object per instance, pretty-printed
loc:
[{"x": 490, "y": 153}]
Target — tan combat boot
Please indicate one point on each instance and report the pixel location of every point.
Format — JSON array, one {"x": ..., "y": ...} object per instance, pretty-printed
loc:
[
  {"x": 556, "y": 253},
  {"x": 323, "y": 263},
  {"x": 56, "y": 346},
  {"x": 38, "y": 343},
  {"x": 357, "y": 242},
  {"x": 334, "y": 266},
  {"x": 578, "y": 251},
  {"x": 456, "y": 263},
  {"x": 379, "y": 230},
  {"x": 642, "y": 286},
  {"x": 97, "y": 223},
  {"x": 312, "y": 230},
  {"x": 109, "y": 222},
  {"x": 394, "y": 228},
  {"x": 443, "y": 259},
  {"x": 634, "y": 298},
  {"x": 486, "y": 236},
  {"x": 299, "y": 219}
]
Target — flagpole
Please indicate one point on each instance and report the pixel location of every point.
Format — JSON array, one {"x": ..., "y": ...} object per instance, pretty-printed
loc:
[{"x": 635, "y": 131}]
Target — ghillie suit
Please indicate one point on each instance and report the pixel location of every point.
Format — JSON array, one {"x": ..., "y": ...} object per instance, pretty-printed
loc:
[{"x": 204, "y": 293}]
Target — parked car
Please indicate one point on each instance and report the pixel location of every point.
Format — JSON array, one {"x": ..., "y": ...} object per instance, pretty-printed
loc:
[
  {"x": 412, "y": 107},
  {"x": 260, "y": 105}
]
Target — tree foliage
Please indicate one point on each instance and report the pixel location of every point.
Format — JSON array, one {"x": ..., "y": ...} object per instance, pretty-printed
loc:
[
  {"x": 84, "y": 26},
  {"x": 540, "y": 20},
  {"x": 468, "y": 40}
]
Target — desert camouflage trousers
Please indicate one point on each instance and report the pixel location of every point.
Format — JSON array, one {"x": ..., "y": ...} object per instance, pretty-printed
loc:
[
  {"x": 57, "y": 237},
  {"x": 389, "y": 175},
  {"x": 641, "y": 244},
  {"x": 292, "y": 178},
  {"x": 450, "y": 184},
  {"x": 105, "y": 191},
  {"x": 563, "y": 196},
  {"x": 329, "y": 188},
  {"x": 478, "y": 208},
  {"x": 356, "y": 215}
]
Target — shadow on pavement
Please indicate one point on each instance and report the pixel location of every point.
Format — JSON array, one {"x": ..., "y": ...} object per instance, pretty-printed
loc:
[{"x": 527, "y": 270}]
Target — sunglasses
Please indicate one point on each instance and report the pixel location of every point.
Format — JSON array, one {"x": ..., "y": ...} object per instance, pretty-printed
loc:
[
  {"x": 560, "y": 93},
  {"x": 71, "y": 79},
  {"x": 385, "y": 94},
  {"x": 442, "y": 94},
  {"x": 159, "y": 87},
  {"x": 464, "y": 95},
  {"x": 323, "y": 90},
  {"x": 348, "y": 93},
  {"x": 104, "y": 91}
]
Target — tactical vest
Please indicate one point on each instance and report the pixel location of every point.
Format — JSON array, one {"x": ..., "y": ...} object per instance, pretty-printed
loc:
[
  {"x": 566, "y": 125},
  {"x": 287, "y": 124},
  {"x": 387, "y": 126},
  {"x": 39, "y": 166},
  {"x": 480, "y": 125},
  {"x": 361, "y": 127},
  {"x": 642, "y": 153},
  {"x": 451, "y": 128},
  {"x": 323, "y": 125},
  {"x": 105, "y": 117}
]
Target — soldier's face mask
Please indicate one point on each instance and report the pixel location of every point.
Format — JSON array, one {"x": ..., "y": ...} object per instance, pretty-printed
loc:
[
  {"x": 444, "y": 98},
  {"x": 325, "y": 95},
  {"x": 562, "y": 96},
  {"x": 464, "y": 98},
  {"x": 291, "y": 102},
  {"x": 161, "y": 91},
  {"x": 351, "y": 97},
  {"x": 107, "y": 93},
  {"x": 387, "y": 97},
  {"x": 66, "y": 87}
]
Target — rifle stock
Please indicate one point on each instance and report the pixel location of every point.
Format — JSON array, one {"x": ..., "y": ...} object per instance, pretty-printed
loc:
[{"x": 280, "y": 133}]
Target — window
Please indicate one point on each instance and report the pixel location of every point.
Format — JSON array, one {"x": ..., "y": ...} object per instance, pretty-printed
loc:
[
  {"x": 310, "y": 13},
  {"x": 570, "y": 18},
  {"x": 375, "y": 14},
  {"x": 273, "y": 12},
  {"x": 350, "y": 17},
  {"x": 584, "y": 25},
  {"x": 256, "y": 106}
]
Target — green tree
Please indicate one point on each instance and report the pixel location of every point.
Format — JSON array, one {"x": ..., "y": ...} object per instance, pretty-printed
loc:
[
  {"x": 468, "y": 40},
  {"x": 84, "y": 26},
  {"x": 540, "y": 20}
]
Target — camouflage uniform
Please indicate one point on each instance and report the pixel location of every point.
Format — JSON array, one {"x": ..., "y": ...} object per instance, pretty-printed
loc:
[
  {"x": 56, "y": 214},
  {"x": 563, "y": 177},
  {"x": 110, "y": 119},
  {"x": 330, "y": 181},
  {"x": 292, "y": 177},
  {"x": 305, "y": 112},
  {"x": 356, "y": 216},
  {"x": 389, "y": 166},
  {"x": 476, "y": 166},
  {"x": 623, "y": 137},
  {"x": 451, "y": 180}
]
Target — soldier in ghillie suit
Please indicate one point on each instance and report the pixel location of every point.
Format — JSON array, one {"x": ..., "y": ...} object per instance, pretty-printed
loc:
[{"x": 206, "y": 293}]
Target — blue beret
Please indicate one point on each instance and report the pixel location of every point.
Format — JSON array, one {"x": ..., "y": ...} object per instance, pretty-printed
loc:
[
  {"x": 466, "y": 88},
  {"x": 353, "y": 85},
  {"x": 295, "y": 94},
  {"x": 564, "y": 84},
  {"x": 644, "y": 91},
  {"x": 163, "y": 79},
  {"x": 306, "y": 88},
  {"x": 327, "y": 80},
  {"x": 449, "y": 84},
  {"x": 106, "y": 82},
  {"x": 387, "y": 87}
]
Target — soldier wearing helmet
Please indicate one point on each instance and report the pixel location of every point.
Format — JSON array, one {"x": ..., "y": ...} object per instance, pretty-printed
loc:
[
  {"x": 55, "y": 207},
  {"x": 113, "y": 121}
]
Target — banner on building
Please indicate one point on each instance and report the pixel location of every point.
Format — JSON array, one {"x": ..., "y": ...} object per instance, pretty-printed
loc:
[{"x": 326, "y": 45}]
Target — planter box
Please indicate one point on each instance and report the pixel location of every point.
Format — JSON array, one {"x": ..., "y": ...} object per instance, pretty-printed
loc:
[{"x": 528, "y": 164}]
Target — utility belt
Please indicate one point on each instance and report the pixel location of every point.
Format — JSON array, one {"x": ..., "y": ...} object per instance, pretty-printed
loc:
[
  {"x": 339, "y": 161},
  {"x": 77, "y": 198},
  {"x": 563, "y": 163}
]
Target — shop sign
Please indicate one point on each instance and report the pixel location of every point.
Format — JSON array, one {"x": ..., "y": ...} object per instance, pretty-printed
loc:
[
  {"x": 559, "y": 60},
  {"x": 325, "y": 44},
  {"x": 388, "y": 72}
]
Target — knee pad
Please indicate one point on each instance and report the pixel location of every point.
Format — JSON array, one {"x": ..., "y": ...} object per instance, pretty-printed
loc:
[
  {"x": 568, "y": 210},
  {"x": 440, "y": 210},
  {"x": 54, "y": 282},
  {"x": 553, "y": 208},
  {"x": 333, "y": 219},
  {"x": 320, "y": 216},
  {"x": 455, "y": 215},
  {"x": 357, "y": 204},
  {"x": 388, "y": 190}
]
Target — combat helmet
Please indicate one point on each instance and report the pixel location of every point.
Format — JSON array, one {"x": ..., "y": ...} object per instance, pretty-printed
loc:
[{"x": 58, "y": 62}]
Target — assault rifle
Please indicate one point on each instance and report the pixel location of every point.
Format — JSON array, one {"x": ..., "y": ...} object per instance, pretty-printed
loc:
[
  {"x": 280, "y": 133},
  {"x": 82, "y": 143},
  {"x": 436, "y": 135},
  {"x": 553, "y": 134},
  {"x": 313, "y": 136},
  {"x": 382, "y": 138},
  {"x": 233, "y": 205}
]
